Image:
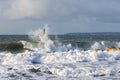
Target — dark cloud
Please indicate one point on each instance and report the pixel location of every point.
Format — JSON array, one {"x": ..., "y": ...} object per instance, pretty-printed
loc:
[
  {"x": 59, "y": 9},
  {"x": 92, "y": 14}
]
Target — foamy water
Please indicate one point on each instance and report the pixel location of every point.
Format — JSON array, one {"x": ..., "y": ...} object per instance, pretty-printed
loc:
[{"x": 47, "y": 61}]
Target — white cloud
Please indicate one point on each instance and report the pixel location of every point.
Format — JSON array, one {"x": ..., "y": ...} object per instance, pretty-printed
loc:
[
  {"x": 39, "y": 9},
  {"x": 59, "y": 9},
  {"x": 78, "y": 15}
]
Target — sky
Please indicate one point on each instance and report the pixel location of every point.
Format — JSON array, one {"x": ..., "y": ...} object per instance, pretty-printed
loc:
[{"x": 61, "y": 16}]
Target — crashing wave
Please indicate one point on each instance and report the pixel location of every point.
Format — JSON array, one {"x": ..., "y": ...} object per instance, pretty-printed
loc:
[{"x": 42, "y": 57}]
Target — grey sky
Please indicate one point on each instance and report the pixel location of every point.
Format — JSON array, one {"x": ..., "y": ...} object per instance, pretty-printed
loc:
[{"x": 62, "y": 16}]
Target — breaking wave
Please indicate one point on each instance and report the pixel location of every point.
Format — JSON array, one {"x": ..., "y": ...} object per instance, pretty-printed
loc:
[
  {"x": 50, "y": 45},
  {"x": 43, "y": 57}
]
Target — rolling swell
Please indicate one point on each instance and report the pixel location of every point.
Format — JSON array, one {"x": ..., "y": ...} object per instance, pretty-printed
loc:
[
  {"x": 19, "y": 46},
  {"x": 11, "y": 46}
]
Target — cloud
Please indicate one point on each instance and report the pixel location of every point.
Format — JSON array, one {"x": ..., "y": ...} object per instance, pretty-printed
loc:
[
  {"x": 53, "y": 10},
  {"x": 38, "y": 9}
]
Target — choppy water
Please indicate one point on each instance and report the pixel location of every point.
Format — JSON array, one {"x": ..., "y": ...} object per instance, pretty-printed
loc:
[
  {"x": 81, "y": 40},
  {"x": 61, "y": 57}
]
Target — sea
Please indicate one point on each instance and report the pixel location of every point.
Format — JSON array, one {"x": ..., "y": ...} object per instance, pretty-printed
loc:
[{"x": 71, "y": 56}]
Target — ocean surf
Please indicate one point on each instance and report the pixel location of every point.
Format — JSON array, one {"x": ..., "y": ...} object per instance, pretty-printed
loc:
[{"x": 79, "y": 56}]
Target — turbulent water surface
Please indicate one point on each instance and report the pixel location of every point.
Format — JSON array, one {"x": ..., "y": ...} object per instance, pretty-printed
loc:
[{"x": 74, "y": 56}]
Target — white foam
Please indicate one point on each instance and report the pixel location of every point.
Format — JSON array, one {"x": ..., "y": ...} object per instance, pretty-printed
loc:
[
  {"x": 41, "y": 36},
  {"x": 63, "y": 61},
  {"x": 72, "y": 63}
]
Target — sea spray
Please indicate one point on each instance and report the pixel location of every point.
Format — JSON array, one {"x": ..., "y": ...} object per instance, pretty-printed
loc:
[
  {"x": 64, "y": 63},
  {"x": 41, "y": 36},
  {"x": 101, "y": 45}
]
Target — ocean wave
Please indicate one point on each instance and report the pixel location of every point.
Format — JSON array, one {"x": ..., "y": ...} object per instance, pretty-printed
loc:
[
  {"x": 36, "y": 45},
  {"x": 20, "y": 46},
  {"x": 11, "y": 46},
  {"x": 42, "y": 58}
]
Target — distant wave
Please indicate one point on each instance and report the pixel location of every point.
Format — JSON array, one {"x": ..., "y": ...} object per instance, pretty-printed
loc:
[{"x": 95, "y": 33}]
